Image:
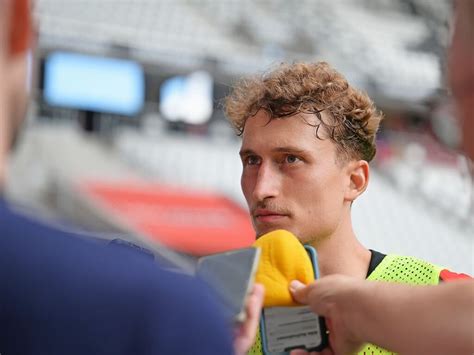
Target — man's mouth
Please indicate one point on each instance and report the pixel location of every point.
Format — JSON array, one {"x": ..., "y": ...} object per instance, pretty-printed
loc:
[{"x": 264, "y": 215}]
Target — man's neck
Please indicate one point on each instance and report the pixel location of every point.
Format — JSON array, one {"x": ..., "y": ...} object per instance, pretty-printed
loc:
[{"x": 342, "y": 253}]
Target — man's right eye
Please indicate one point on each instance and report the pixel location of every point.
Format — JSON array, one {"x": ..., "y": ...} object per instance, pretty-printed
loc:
[{"x": 252, "y": 160}]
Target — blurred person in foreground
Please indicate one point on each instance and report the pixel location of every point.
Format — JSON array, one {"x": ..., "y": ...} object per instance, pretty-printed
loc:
[
  {"x": 307, "y": 140},
  {"x": 62, "y": 294},
  {"x": 407, "y": 319}
]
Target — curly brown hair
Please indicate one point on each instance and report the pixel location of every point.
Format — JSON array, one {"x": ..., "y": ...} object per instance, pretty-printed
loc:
[{"x": 311, "y": 88}]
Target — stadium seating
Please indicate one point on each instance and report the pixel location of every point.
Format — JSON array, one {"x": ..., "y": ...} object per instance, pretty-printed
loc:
[{"x": 390, "y": 48}]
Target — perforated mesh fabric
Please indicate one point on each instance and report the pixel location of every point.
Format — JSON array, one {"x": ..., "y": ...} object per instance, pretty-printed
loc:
[
  {"x": 371, "y": 349},
  {"x": 401, "y": 269},
  {"x": 256, "y": 348},
  {"x": 393, "y": 268},
  {"x": 404, "y": 269}
]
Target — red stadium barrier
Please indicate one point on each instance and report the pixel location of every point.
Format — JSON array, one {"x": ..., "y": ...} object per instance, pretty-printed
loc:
[{"x": 193, "y": 222}]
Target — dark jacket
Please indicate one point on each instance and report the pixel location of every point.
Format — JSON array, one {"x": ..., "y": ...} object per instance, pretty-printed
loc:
[{"x": 61, "y": 294}]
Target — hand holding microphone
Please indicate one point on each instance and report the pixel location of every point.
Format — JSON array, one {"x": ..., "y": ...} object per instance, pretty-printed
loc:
[
  {"x": 283, "y": 259},
  {"x": 285, "y": 324}
]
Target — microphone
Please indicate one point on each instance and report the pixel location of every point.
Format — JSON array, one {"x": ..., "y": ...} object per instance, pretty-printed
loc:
[{"x": 283, "y": 258}]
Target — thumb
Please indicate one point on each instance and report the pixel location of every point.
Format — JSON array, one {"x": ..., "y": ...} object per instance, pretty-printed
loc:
[{"x": 299, "y": 291}]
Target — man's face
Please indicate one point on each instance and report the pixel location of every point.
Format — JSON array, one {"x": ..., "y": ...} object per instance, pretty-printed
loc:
[{"x": 290, "y": 178}]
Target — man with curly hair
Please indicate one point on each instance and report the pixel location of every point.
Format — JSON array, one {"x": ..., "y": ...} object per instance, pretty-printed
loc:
[{"x": 307, "y": 140}]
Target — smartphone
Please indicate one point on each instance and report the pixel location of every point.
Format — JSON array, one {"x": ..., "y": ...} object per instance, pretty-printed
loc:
[
  {"x": 231, "y": 274},
  {"x": 283, "y": 329}
]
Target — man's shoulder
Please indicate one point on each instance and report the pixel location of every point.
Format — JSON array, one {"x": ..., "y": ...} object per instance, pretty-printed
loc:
[
  {"x": 29, "y": 243},
  {"x": 63, "y": 278},
  {"x": 406, "y": 269},
  {"x": 409, "y": 269}
]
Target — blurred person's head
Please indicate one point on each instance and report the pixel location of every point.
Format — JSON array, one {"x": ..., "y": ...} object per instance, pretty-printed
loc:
[
  {"x": 307, "y": 138},
  {"x": 15, "y": 35},
  {"x": 461, "y": 70}
]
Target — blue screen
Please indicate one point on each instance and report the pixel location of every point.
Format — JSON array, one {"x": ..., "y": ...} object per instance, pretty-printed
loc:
[{"x": 93, "y": 83}]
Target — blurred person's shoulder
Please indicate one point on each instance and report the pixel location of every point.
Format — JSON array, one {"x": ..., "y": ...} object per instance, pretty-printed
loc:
[
  {"x": 47, "y": 268},
  {"x": 29, "y": 237}
]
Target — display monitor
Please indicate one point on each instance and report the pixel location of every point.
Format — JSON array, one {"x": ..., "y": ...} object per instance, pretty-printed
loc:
[
  {"x": 188, "y": 98},
  {"x": 93, "y": 83}
]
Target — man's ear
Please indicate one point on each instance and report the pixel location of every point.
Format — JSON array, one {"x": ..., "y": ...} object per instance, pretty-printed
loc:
[{"x": 358, "y": 175}]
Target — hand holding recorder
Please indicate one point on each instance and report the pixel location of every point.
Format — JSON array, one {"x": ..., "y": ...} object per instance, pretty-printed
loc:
[{"x": 286, "y": 325}]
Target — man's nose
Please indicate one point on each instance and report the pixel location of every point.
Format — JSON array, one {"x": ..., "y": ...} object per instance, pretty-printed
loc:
[{"x": 267, "y": 184}]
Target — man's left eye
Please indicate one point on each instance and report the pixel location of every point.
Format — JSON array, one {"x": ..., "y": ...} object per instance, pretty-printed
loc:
[{"x": 291, "y": 159}]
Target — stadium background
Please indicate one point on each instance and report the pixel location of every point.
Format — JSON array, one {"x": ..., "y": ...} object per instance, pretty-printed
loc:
[{"x": 165, "y": 169}]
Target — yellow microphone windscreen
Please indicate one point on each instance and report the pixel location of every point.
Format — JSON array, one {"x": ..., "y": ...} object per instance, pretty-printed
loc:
[{"x": 283, "y": 259}]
